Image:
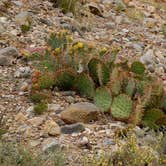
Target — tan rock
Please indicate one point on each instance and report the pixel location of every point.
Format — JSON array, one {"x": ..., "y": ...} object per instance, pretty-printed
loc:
[
  {"x": 52, "y": 128},
  {"x": 20, "y": 117},
  {"x": 36, "y": 121},
  {"x": 80, "y": 112}
]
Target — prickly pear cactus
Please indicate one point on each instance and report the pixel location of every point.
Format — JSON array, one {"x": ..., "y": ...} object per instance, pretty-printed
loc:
[
  {"x": 153, "y": 95},
  {"x": 151, "y": 116},
  {"x": 84, "y": 85},
  {"x": 103, "y": 99},
  {"x": 64, "y": 79},
  {"x": 98, "y": 71},
  {"x": 121, "y": 107},
  {"x": 131, "y": 87},
  {"x": 138, "y": 68},
  {"x": 137, "y": 113}
]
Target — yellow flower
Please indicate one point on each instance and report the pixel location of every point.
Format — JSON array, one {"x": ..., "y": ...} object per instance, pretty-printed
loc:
[
  {"x": 104, "y": 49},
  {"x": 58, "y": 50},
  {"x": 80, "y": 45},
  {"x": 70, "y": 38}
]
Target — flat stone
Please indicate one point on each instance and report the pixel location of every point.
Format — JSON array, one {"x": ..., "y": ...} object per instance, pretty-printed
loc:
[
  {"x": 73, "y": 128},
  {"x": 80, "y": 112},
  {"x": 50, "y": 144},
  {"x": 52, "y": 128},
  {"x": 36, "y": 121},
  {"x": 54, "y": 107},
  {"x": 4, "y": 61},
  {"x": 35, "y": 143},
  {"x": 20, "y": 117},
  {"x": 9, "y": 52}
]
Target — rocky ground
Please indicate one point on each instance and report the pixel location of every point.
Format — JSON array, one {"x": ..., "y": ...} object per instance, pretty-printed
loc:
[{"x": 137, "y": 31}]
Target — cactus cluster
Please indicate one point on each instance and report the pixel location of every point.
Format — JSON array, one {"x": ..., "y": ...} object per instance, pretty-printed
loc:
[{"x": 124, "y": 90}]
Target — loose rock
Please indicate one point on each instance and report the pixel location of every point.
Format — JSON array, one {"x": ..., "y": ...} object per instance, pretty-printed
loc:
[
  {"x": 73, "y": 128},
  {"x": 80, "y": 112}
]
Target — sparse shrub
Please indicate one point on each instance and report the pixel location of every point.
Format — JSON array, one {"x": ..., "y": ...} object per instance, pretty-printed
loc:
[
  {"x": 40, "y": 108},
  {"x": 130, "y": 153},
  {"x": 13, "y": 154},
  {"x": 40, "y": 96},
  {"x": 67, "y": 5},
  {"x": 25, "y": 28}
]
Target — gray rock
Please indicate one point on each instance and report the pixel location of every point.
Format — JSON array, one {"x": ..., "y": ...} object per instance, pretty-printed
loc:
[
  {"x": 148, "y": 58},
  {"x": 110, "y": 24},
  {"x": 80, "y": 112},
  {"x": 11, "y": 52},
  {"x": 50, "y": 144},
  {"x": 23, "y": 72},
  {"x": 18, "y": 3},
  {"x": 151, "y": 68},
  {"x": 54, "y": 107},
  {"x": 4, "y": 61},
  {"x": 73, "y": 128},
  {"x": 107, "y": 141}
]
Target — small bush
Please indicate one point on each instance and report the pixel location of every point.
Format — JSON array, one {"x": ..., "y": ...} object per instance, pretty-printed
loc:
[{"x": 40, "y": 108}]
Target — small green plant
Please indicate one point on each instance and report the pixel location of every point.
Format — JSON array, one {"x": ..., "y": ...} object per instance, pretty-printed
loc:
[
  {"x": 121, "y": 107},
  {"x": 138, "y": 68},
  {"x": 46, "y": 81},
  {"x": 103, "y": 99},
  {"x": 40, "y": 108},
  {"x": 25, "y": 28},
  {"x": 67, "y": 5},
  {"x": 40, "y": 96}
]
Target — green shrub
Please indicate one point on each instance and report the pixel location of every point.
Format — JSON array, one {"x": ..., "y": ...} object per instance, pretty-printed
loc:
[{"x": 40, "y": 108}]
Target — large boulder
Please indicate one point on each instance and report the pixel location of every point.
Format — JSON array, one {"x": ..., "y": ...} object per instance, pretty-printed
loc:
[{"x": 80, "y": 112}]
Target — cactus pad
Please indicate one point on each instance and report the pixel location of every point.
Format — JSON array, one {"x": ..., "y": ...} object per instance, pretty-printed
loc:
[
  {"x": 84, "y": 85},
  {"x": 121, "y": 107},
  {"x": 130, "y": 88},
  {"x": 151, "y": 116},
  {"x": 98, "y": 71},
  {"x": 138, "y": 68},
  {"x": 103, "y": 99}
]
